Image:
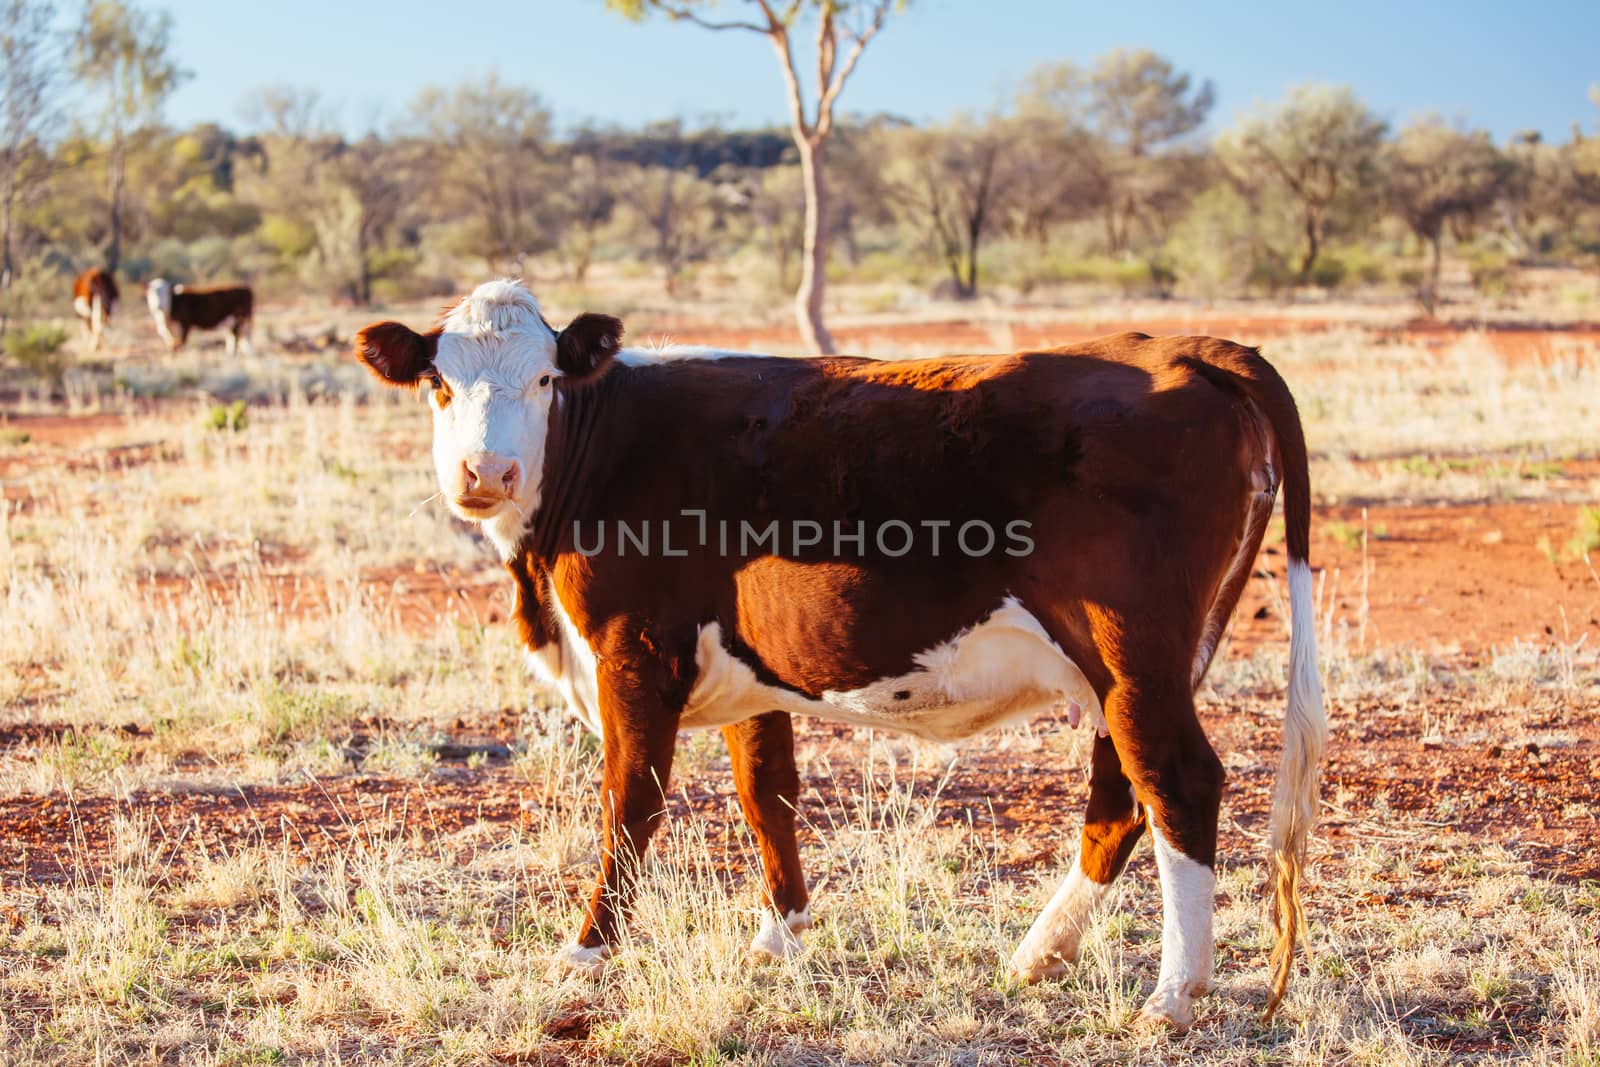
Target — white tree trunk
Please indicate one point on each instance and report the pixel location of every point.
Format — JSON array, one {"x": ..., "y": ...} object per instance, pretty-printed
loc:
[{"x": 814, "y": 257}]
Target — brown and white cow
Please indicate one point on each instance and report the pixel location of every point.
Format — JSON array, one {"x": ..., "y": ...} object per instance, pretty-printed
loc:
[
  {"x": 937, "y": 546},
  {"x": 94, "y": 298},
  {"x": 178, "y": 309}
]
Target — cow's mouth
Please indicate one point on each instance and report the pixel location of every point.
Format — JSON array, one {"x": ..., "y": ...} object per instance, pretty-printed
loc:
[{"x": 480, "y": 507}]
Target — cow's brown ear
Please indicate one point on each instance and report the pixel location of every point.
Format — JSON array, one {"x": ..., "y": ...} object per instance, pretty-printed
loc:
[
  {"x": 397, "y": 353},
  {"x": 586, "y": 346}
]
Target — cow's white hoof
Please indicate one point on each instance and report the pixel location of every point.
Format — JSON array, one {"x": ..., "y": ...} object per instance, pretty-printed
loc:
[
  {"x": 1170, "y": 1007},
  {"x": 575, "y": 959},
  {"x": 1033, "y": 963},
  {"x": 780, "y": 938}
]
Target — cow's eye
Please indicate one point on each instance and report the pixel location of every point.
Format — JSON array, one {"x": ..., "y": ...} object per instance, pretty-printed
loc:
[
  {"x": 544, "y": 381},
  {"x": 441, "y": 393}
]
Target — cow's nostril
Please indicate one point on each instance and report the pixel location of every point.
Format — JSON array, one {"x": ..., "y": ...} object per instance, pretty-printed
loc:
[
  {"x": 469, "y": 477},
  {"x": 509, "y": 479}
]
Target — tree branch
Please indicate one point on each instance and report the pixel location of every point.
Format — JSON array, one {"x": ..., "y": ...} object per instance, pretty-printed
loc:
[
  {"x": 778, "y": 34},
  {"x": 827, "y": 43},
  {"x": 686, "y": 15},
  {"x": 831, "y": 89}
]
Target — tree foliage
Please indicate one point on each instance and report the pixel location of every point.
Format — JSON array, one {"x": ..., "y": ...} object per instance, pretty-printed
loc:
[
  {"x": 1436, "y": 175},
  {"x": 30, "y": 80},
  {"x": 123, "y": 54},
  {"x": 1320, "y": 147}
]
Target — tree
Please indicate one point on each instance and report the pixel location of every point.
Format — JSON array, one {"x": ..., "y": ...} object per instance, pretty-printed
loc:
[
  {"x": 29, "y": 76},
  {"x": 286, "y": 111},
  {"x": 777, "y": 207},
  {"x": 1435, "y": 176},
  {"x": 487, "y": 139},
  {"x": 676, "y": 213},
  {"x": 851, "y": 23},
  {"x": 123, "y": 52},
  {"x": 588, "y": 199},
  {"x": 956, "y": 180},
  {"x": 1320, "y": 145},
  {"x": 1581, "y": 178},
  {"x": 1117, "y": 133},
  {"x": 362, "y": 194}
]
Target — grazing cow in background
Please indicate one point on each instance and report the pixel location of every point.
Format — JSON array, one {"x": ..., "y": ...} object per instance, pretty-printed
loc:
[
  {"x": 936, "y": 546},
  {"x": 94, "y": 298},
  {"x": 178, "y": 309}
]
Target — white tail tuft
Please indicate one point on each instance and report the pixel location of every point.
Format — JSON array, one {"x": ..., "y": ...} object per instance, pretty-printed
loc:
[{"x": 1294, "y": 802}]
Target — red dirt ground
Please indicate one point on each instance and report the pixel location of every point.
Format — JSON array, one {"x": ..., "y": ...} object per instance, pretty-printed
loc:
[{"x": 1459, "y": 581}]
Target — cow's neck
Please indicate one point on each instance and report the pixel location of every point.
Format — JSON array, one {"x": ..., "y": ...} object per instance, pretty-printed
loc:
[{"x": 572, "y": 467}]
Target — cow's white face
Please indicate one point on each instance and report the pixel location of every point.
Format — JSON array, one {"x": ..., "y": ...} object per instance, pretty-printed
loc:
[
  {"x": 158, "y": 294},
  {"x": 490, "y": 372}
]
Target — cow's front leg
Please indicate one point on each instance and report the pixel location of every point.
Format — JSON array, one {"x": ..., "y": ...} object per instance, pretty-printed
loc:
[
  {"x": 762, "y": 753},
  {"x": 640, "y": 730}
]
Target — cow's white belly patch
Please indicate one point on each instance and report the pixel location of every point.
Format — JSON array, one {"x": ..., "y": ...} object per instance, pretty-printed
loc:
[{"x": 1005, "y": 669}]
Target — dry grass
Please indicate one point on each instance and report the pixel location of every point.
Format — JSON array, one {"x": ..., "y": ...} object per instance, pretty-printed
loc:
[
  {"x": 1427, "y": 950},
  {"x": 213, "y": 612}
]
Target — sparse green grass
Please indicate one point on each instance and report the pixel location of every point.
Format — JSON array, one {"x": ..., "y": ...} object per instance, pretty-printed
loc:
[
  {"x": 1587, "y": 539},
  {"x": 228, "y": 417}
]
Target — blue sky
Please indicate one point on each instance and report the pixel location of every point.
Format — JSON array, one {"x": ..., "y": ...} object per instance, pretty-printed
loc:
[{"x": 1503, "y": 66}]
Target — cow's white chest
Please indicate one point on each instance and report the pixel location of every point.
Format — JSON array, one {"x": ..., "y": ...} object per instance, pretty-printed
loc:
[{"x": 1005, "y": 669}]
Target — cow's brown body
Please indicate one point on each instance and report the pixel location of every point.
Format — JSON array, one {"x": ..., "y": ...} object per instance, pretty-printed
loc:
[
  {"x": 1143, "y": 470},
  {"x": 94, "y": 298},
  {"x": 230, "y": 308}
]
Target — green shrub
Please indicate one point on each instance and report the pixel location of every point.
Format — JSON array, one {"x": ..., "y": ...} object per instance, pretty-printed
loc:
[
  {"x": 883, "y": 266},
  {"x": 38, "y": 349},
  {"x": 1328, "y": 272},
  {"x": 227, "y": 418},
  {"x": 1363, "y": 266},
  {"x": 1587, "y": 539},
  {"x": 290, "y": 238},
  {"x": 1493, "y": 273}
]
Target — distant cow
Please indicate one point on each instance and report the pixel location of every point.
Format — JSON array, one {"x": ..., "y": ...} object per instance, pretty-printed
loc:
[
  {"x": 178, "y": 309},
  {"x": 94, "y": 298},
  {"x": 709, "y": 539}
]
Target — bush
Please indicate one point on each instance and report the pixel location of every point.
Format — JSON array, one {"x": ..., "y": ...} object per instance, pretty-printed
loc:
[
  {"x": 289, "y": 238},
  {"x": 1026, "y": 267},
  {"x": 884, "y": 265},
  {"x": 227, "y": 418},
  {"x": 1328, "y": 272},
  {"x": 1364, "y": 266},
  {"x": 38, "y": 349},
  {"x": 1493, "y": 273}
]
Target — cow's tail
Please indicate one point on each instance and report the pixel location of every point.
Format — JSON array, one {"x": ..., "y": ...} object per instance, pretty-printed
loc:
[{"x": 1305, "y": 725}]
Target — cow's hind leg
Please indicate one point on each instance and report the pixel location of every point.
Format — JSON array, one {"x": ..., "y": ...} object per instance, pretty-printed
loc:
[
  {"x": 1111, "y": 827},
  {"x": 1178, "y": 778},
  {"x": 762, "y": 754}
]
